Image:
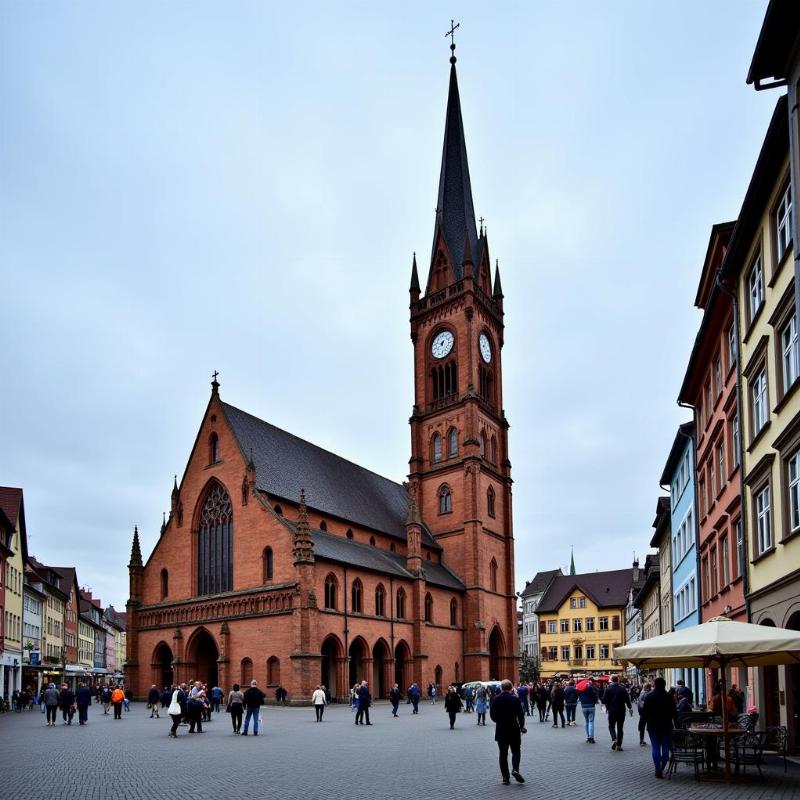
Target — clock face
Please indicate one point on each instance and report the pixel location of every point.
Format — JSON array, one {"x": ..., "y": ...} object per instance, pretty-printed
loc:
[
  {"x": 442, "y": 344},
  {"x": 486, "y": 348}
]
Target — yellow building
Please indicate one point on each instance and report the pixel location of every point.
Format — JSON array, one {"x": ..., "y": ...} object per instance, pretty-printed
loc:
[
  {"x": 52, "y": 621},
  {"x": 581, "y": 620},
  {"x": 759, "y": 266},
  {"x": 11, "y": 502}
]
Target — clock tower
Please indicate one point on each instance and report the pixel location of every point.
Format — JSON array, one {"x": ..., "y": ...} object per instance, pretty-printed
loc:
[{"x": 460, "y": 472}]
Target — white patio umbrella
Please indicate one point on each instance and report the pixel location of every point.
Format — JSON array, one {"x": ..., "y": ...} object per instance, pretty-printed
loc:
[{"x": 716, "y": 644}]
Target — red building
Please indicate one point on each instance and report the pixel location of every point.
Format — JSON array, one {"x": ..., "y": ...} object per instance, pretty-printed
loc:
[{"x": 286, "y": 563}]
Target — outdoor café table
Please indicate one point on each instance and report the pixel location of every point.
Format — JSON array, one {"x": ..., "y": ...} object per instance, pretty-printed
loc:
[{"x": 712, "y": 731}]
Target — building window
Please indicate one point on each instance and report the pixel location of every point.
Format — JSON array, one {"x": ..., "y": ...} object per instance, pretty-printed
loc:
[
  {"x": 482, "y": 438},
  {"x": 490, "y": 501},
  {"x": 581, "y": 602},
  {"x": 589, "y": 623},
  {"x": 552, "y": 653},
  {"x": 493, "y": 575},
  {"x": 445, "y": 500},
  {"x": 706, "y": 579},
  {"x": 330, "y": 591},
  {"x": 578, "y": 650},
  {"x": 615, "y": 623},
  {"x": 739, "y": 547},
  {"x": 565, "y": 652},
  {"x": 711, "y": 482},
  {"x": 564, "y": 625},
  {"x": 573, "y": 602},
  {"x": 372, "y": 541},
  {"x": 718, "y": 375},
  {"x": 721, "y": 461},
  {"x": 445, "y": 381},
  {"x": 267, "y": 564},
  {"x": 759, "y": 402},
  {"x": 793, "y": 469},
  {"x": 452, "y": 443},
  {"x": 763, "y": 521},
  {"x": 453, "y": 612},
  {"x": 603, "y": 652},
  {"x": 273, "y": 671},
  {"x": 215, "y": 543},
  {"x": 735, "y": 441},
  {"x": 380, "y": 601},
  {"x": 356, "y": 593},
  {"x": 725, "y": 557},
  {"x": 603, "y": 623},
  {"x": 551, "y": 626},
  {"x": 349, "y": 533},
  {"x": 323, "y": 526},
  {"x": 590, "y": 652},
  {"x": 437, "y": 448},
  {"x": 213, "y": 449},
  {"x": 400, "y": 604},
  {"x": 731, "y": 346},
  {"x": 428, "y": 607},
  {"x": 577, "y": 625},
  {"x": 714, "y": 571},
  {"x": 783, "y": 224},
  {"x": 755, "y": 284},
  {"x": 164, "y": 583},
  {"x": 791, "y": 353}
]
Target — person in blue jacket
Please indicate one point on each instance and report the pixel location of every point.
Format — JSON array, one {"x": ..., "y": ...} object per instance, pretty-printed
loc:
[
  {"x": 83, "y": 699},
  {"x": 394, "y": 699},
  {"x": 364, "y": 702},
  {"x": 414, "y": 695}
]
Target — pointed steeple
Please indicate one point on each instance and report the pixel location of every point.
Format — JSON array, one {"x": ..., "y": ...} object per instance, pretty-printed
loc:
[
  {"x": 455, "y": 215},
  {"x": 498, "y": 289},
  {"x": 468, "y": 263},
  {"x": 414, "y": 277},
  {"x": 571, "y": 561},
  {"x": 136, "y": 550},
  {"x": 163, "y": 522}
]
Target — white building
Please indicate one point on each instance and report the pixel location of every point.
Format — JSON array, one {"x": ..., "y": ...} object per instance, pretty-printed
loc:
[{"x": 530, "y": 597}]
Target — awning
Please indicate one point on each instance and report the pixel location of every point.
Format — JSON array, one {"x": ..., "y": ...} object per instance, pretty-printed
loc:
[
  {"x": 76, "y": 669},
  {"x": 99, "y": 671}
]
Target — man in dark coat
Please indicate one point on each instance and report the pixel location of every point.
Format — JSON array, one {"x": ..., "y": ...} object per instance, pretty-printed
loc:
[
  {"x": 394, "y": 698},
  {"x": 253, "y": 700},
  {"x": 660, "y": 715},
  {"x": 67, "y": 701},
  {"x": 364, "y": 702},
  {"x": 83, "y": 699},
  {"x": 615, "y": 699},
  {"x": 509, "y": 718},
  {"x": 153, "y": 697}
]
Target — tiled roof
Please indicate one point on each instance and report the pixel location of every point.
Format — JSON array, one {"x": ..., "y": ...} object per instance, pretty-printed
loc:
[
  {"x": 285, "y": 464},
  {"x": 605, "y": 589},
  {"x": 118, "y": 618},
  {"x": 10, "y": 503},
  {"x": 540, "y": 582}
]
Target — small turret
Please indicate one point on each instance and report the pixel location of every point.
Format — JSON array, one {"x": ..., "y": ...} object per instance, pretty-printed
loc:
[
  {"x": 302, "y": 544},
  {"x": 414, "y": 289}
]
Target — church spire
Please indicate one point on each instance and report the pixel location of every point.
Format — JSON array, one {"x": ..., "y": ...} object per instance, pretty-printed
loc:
[
  {"x": 136, "y": 551},
  {"x": 455, "y": 215},
  {"x": 414, "y": 288},
  {"x": 498, "y": 289}
]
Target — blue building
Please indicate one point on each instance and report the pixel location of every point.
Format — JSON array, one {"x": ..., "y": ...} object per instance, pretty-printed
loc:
[{"x": 679, "y": 472}]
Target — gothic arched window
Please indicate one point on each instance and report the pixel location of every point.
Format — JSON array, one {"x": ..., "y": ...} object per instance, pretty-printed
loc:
[
  {"x": 452, "y": 443},
  {"x": 483, "y": 444},
  {"x": 494, "y": 450},
  {"x": 445, "y": 500},
  {"x": 380, "y": 601},
  {"x": 356, "y": 593},
  {"x": 493, "y": 575},
  {"x": 267, "y": 558},
  {"x": 273, "y": 671},
  {"x": 213, "y": 448},
  {"x": 453, "y": 612},
  {"x": 437, "y": 448},
  {"x": 215, "y": 543},
  {"x": 247, "y": 671},
  {"x": 400, "y": 605},
  {"x": 330, "y": 591},
  {"x": 490, "y": 501},
  {"x": 428, "y": 608},
  {"x": 164, "y": 583}
]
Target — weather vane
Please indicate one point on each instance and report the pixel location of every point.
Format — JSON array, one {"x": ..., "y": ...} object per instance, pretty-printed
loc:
[{"x": 452, "y": 32}]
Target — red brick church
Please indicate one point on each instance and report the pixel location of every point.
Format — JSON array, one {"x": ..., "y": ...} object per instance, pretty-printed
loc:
[{"x": 286, "y": 563}]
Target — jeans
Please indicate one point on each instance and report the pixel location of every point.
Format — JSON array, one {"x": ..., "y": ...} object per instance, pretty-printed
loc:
[
  {"x": 415, "y": 703},
  {"x": 51, "y": 713},
  {"x": 616, "y": 720},
  {"x": 215, "y": 705},
  {"x": 660, "y": 747},
  {"x": 515, "y": 755},
  {"x": 252, "y": 713},
  {"x": 395, "y": 706},
  {"x": 571, "y": 711},
  {"x": 83, "y": 714},
  {"x": 319, "y": 709},
  {"x": 588, "y": 720},
  {"x": 642, "y": 725},
  {"x": 127, "y": 704}
]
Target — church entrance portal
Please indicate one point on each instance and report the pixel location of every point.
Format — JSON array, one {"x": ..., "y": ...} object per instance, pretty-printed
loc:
[{"x": 202, "y": 659}]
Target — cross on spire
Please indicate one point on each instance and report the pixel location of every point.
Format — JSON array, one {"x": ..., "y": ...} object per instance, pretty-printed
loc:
[{"x": 452, "y": 32}]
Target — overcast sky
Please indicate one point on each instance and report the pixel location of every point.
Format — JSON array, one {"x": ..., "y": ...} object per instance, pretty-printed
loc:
[{"x": 191, "y": 185}]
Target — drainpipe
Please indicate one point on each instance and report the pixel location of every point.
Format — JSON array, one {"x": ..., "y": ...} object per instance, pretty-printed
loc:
[{"x": 739, "y": 409}]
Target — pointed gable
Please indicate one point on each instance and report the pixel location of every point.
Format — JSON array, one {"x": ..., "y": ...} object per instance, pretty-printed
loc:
[{"x": 605, "y": 589}]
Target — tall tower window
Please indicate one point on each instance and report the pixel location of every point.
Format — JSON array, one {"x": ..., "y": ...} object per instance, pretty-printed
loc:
[
  {"x": 452, "y": 443},
  {"x": 400, "y": 604},
  {"x": 330, "y": 591},
  {"x": 428, "y": 608},
  {"x": 213, "y": 449},
  {"x": 493, "y": 575},
  {"x": 453, "y": 612},
  {"x": 486, "y": 384},
  {"x": 267, "y": 565},
  {"x": 490, "y": 501},
  {"x": 493, "y": 450},
  {"x": 164, "y": 583},
  {"x": 483, "y": 444},
  {"x": 356, "y": 593},
  {"x": 437, "y": 448},
  {"x": 215, "y": 543},
  {"x": 380, "y": 601},
  {"x": 444, "y": 379},
  {"x": 445, "y": 500}
]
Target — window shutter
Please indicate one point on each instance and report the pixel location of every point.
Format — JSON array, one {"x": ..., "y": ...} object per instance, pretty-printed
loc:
[
  {"x": 615, "y": 623},
  {"x": 542, "y": 626}
]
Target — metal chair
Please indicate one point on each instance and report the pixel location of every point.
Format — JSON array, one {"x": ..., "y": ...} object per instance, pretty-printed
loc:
[
  {"x": 747, "y": 721},
  {"x": 748, "y": 748},
  {"x": 776, "y": 743},
  {"x": 686, "y": 749},
  {"x": 691, "y": 717}
]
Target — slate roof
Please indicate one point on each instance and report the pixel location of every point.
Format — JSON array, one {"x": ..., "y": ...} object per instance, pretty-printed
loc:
[
  {"x": 329, "y": 547},
  {"x": 776, "y": 40},
  {"x": 606, "y": 589},
  {"x": 455, "y": 215},
  {"x": 652, "y": 575},
  {"x": 118, "y": 618},
  {"x": 285, "y": 464},
  {"x": 682, "y": 439},
  {"x": 540, "y": 582},
  {"x": 662, "y": 520}
]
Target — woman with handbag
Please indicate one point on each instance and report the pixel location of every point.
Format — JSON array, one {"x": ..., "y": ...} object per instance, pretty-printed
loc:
[
  {"x": 176, "y": 712},
  {"x": 235, "y": 707}
]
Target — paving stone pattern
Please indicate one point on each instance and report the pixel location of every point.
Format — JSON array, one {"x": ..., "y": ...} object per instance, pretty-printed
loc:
[{"x": 409, "y": 757}]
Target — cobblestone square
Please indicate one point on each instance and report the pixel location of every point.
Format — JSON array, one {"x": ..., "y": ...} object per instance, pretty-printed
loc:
[{"x": 408, "y": 757}]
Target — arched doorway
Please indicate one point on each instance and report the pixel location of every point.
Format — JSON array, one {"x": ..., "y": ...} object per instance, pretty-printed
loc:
[
  {"x": 202, "y": 658},
  {"x": 332, "y": 653},
  {"x": 381, "y": 655},
  {"x": 497, "y": 652},
  {"x": 793, "y": 692},
  {"x": 358, "y": 653},
  {"x": 437, "y": 679},
  {"x": 162, "y": 665},
  {"x": 402, "y": 666}
]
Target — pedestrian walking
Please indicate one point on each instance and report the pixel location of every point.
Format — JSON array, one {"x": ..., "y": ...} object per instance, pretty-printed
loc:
[
  {"x": 83, "y": 699},
  {"x": 318, "y": 701},
  {"x": 235, "y": 707},
  {"x": 67, "y": 701},
  {"x": 452, "y": 705},
  {"x": 588, "y": 700},
  {"x": 570, "y": 702},
  {"x": 216, "y": 698},
  {"x": 469, "y": 698},
  {"x": 175, "y": 710},
  {"x": 195, "y": 708},
  {"x": 105, "y": 698},
  {"x": 557, "y": 703},
  {"x": 660, "y": 715},
  {"x": 253, "y": 700},
  {"x": 414, "y": 695},
  {"x": 364, "y": 702},
  {"x": 646, "y": 689},
  {"x": 52, "y": 699},
  {"x": 127, "y": 693},
  {"x": 616, "y": 700},
  {"x": 509, "y": 719},
  {"x": 354, "y": 697},
  {"x": 152, "y": 701},
  {"x": 394, "y": 699},
  {"x": 542, "y": 696},
  {"x": 522, "y": 693},
  {"x": 481, "y": 703}
]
